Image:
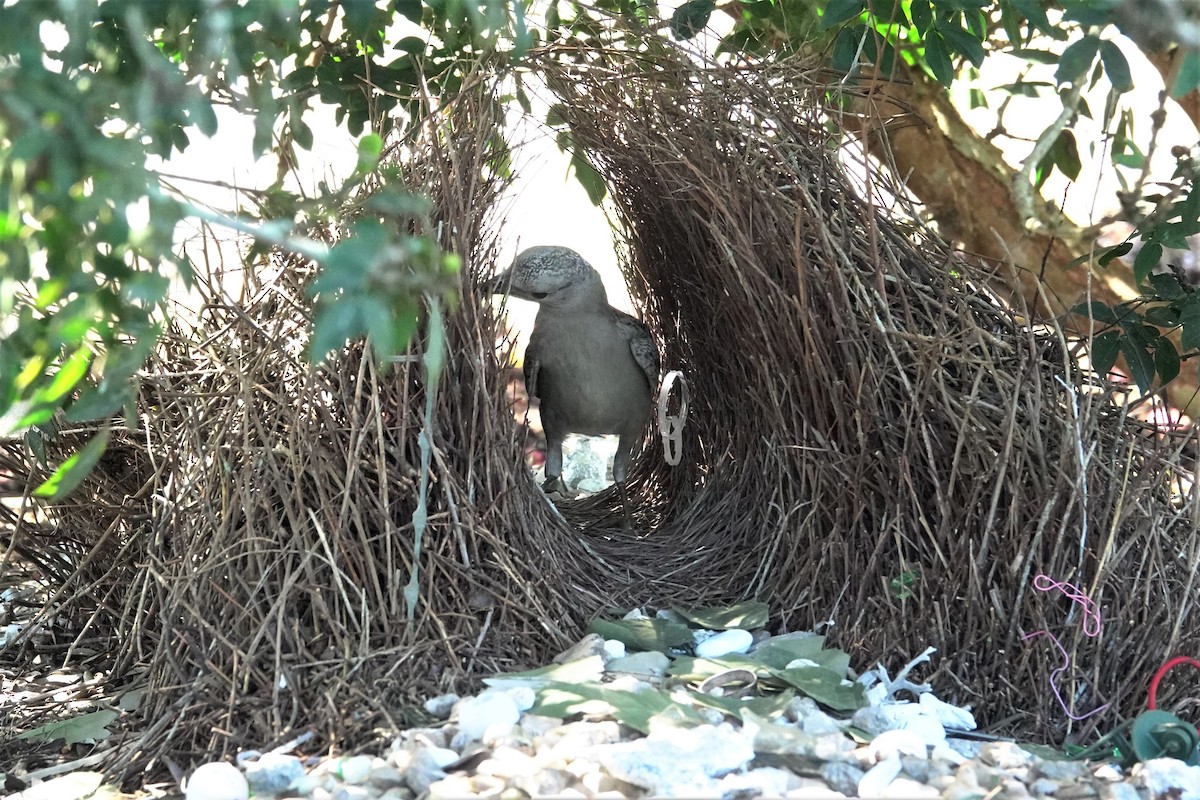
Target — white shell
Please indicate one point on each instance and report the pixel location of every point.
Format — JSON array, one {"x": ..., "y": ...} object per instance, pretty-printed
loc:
[
  {"x": 217, "y": 780},
  {"x": 734, "y": 640}
]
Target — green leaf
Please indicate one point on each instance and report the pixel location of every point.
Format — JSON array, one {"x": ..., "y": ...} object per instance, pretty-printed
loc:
[
  {"x": 1095, "y": 310},
  {"x": 1147, "y": 259},
  {"x": 1114, "y": 252},
  {"x": 767, "y": 706},
  {"x": 1165, "y": 286},
  {"x": 845, "y": 49},
  {"x": 72, "y": 471},
  {"x": 369, "y": 149},
  {"x": 690, "y": 669},
  {"x": 1189, "y": 319},
  {"x": 643, "y": 634},
  {"x": 409, "y": 9},
  {"x": 1166, "y": 360},
  {"x": 691, "y": 18},
  {"x": 581, "y": 670},
  {"x": 68, "y": 376},
  {"x": 779, "y": 651},
  {"x": 634, "y": 709},
  {"x": 1035, "y": 12},
  {"x": 838, "y": 11},
  {"x": 1077, "y": 59},
  {"x": 963, "y": 42},
  {"x": 1066, "y": 154},
  {"x": 1105, "y": 349},
  {"x": 1188, "y": 79},
  {"x": 937, "y": 58},
  {"x": 1116, "y": 66},
  {"x": 85, "y": 729},
  {"x": 922, "y": 15},
  {"x": 748, "y": 615},
  {"x": 360, "y": 14},
  {"x": 826, "y": 687},
  {"x": 1141, "y": 362},
  {"x": 589, "y": 178}
]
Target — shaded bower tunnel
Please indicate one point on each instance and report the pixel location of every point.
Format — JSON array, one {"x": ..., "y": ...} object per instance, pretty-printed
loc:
[{"x": 872, "y": 441}]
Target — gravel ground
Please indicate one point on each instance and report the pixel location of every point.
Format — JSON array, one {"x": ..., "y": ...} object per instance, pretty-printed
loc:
[{"x": 504, "y": 743}]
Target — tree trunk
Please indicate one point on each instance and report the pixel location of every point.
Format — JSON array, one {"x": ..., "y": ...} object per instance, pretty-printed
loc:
[{"x": 966, "y": 187}]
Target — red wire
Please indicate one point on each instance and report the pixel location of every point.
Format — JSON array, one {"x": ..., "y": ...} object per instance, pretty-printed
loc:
[{"x": 1152, "y": 700}]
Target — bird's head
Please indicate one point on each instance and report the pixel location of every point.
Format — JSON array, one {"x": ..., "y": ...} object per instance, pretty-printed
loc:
[{"x": 555, "y": 277}]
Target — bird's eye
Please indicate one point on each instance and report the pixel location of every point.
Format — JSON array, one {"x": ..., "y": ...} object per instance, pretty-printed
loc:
[{"x": 539, "y": 295}]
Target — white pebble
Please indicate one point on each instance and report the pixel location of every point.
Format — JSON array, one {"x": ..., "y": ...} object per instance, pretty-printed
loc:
[
  {"x": 734, "y": 640},
  {"x": 892, "y": 744},
  {"x": 217, "y": 780},
  {"x": 491, "y": 709},
  {"x": 614, "y": 648},
  {"x": 441, "y": 706},
  {"x": 951, "y": 716},
  {"x": 928, "y": 729},
  {"x": 356, "y": 769},
  {"x": 879, "y": 777}
]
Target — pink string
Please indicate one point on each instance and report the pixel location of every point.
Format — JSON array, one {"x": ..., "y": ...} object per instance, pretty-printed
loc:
[{"x": 1091, "y": 629}]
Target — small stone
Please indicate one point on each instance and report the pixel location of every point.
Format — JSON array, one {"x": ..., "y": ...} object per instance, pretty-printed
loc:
[
  {"x": 833, "y": 747},
  {"x": 544, "y": 782},
  {"x": 352, "y": 793},
  {"x": 1118, "y": 791},
  {"x": 1005, "y": 755},
  {"x": 813, "y": 792},
  {"x": 1058, "y": 770},
  {"x": 590, "y": 645},
  {"x": 1077, "y": 791},
  {"x": 762, "y": 782},
  {"x": 842, "y": 776},
  {"x": 1168, "y": 775},
  {"x": 398, "y": 793},
  {"x": 734, "y": 640},
  {"x": 907, "y": 787},
  {"x": 677, "y": 761},
  {"x": 427, "y": 767},
  {"x": 879, "y": 777},
  {"x": 583, "y": 735},
  {"x": 441, "y": 706},
  {"x": 385, "y": 777},
  {"x": 535, "y": 725},
  {"x": 452, "y": 786},
  {"x": 805, "y": 712},
  {"x": 217, "y": 780},
  {"x": 891, "y": 744},
  {"x": 488, "y": 714},
  {"x": 923, "y": 770},
  {"x": 965, "y": 785},
  {"x": 1108, "y": 772},
  {"x": 356, "y": 769},
  {"x": 950, "y": 716},
  {"x": 273, "y": 773},
  {"x": 506, "y": 762},
  {"x": 1044, "y": 786},
  {"x": 946, "y": 753},
  {"x": 965, "y": 747}
]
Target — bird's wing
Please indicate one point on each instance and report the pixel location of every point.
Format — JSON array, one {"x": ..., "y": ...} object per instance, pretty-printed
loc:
[
  {"x": 532, "y": 364},
  {"x": 641, "y": 344}
]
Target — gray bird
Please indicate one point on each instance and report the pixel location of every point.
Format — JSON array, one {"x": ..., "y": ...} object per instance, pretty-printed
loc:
[{"x": 593, "y": 368}]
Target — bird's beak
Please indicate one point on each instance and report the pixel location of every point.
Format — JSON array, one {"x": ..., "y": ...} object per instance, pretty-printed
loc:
[{"x": 498, "y": 284}]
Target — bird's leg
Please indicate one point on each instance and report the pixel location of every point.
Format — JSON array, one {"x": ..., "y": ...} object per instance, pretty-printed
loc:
[
  {"x": 625, "y": 507},
  {"x": 554, "y": 460},
  {"x": 621, "y": 472}
]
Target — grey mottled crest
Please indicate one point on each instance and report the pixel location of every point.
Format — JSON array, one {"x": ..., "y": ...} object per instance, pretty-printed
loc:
[{"x": 538, "y": 273}]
